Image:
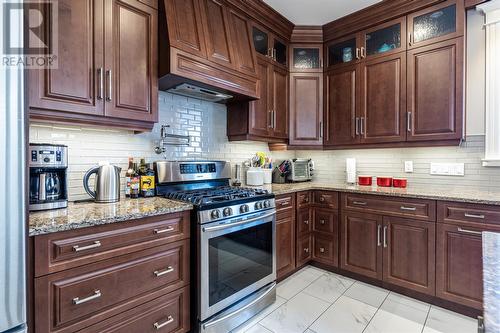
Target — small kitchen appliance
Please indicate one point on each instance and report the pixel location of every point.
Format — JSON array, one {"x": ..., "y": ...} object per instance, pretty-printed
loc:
[
  {"x": 234, "y": 242},
  {"x": 48, "y": 166},
  {"x": 301, "y": 170},
  {"x": 107, "y": 183}
]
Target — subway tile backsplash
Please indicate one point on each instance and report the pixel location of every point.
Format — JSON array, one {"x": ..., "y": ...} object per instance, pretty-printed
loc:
[{"x": 205, "y": 123}]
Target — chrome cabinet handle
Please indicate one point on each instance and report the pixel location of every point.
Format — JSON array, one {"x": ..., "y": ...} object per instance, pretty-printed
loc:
[
  {"x": 363, "y": 52},
  {"x": 109, "y": 76},
  {"x": 322, "y": 222},
  {"x": 162, "y": 231},
  {"x": 379, "y": 230},
  {"x": 100, "y": 85},
  {"x": 411, "y": 209},
  {"x": 78, "y": 248},
  {"x": 362, "y": 125},
  {"x": 357, "y": 126},
  {"x": 169, "y": 269},
  {"x": 169, "y": 320},
  {"x": 322, "y": 249},
  {"x": 474, "y": 216},
  {"x": 357, "y": 53},
  {"x": 274, "y": 54},
  {"x": 410, "y": 38},
  {"x": 306, "y": 250},
  {"x": 470, "y": 232},
  {"x": 78, "y": 301},
  {"x": 359, "y": 203},
  {"x": 320, "y": 129},
  {"x": 385, "y": 236},
  {"x": 274, "y": 119},
  {"x": 306, "y": 221},
  {"x": 322, "y": 199},
  {"x": 408, "y": 122}
]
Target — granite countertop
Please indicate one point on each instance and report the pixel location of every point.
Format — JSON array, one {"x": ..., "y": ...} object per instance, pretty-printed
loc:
[
  {"x": 83, "y": 215},
  {"x": 475, "y": 196},
  {"x": 491, "y": 278}
]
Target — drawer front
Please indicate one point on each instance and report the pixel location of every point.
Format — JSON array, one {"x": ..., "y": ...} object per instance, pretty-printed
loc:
[
  {"x": 61, "y": 251},
  {"x": 80, "y": 295},
  {"x": 285, "y": 206},
  {"x": 327, "y": 199},
  {"x": 325, "y": 220},
  {"x": 303, "y": 199},
  {"x": 414, "y": 208},
  {"x": 450, "y": 212},
  {"x": 304, "y": 222},
  {"x": 325, "y": 249},
  {"x": 304, "y": 250},
  {"x": 169, "y": 313}
]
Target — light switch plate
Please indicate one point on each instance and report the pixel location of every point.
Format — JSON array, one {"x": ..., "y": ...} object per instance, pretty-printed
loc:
[
  {"x": 448, "y": 169},
  {"x": 408, "y": 166}
]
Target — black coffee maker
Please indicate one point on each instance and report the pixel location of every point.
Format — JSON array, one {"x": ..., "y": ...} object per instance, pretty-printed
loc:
[{"x": 48, "y": 176}]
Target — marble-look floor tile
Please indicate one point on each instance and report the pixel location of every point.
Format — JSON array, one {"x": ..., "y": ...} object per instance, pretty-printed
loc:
[
  {"x": 258, "y": 329},
  {"x": 346, "y": 315},
  {"x": 296, "y": 315},
  {"x": 297, "y": 282},
  {"x": 368, "y": 294},
  {"x": 406, "y": 307},
  {"x": 445, "y": 321},
  {"x": 329, "y": 287},
  {"x": 261, "y": 315},
  {"x": 386, "y": 322}
]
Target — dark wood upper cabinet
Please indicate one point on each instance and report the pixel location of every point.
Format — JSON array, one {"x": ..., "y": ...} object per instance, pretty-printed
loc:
[
  {"x": 131, "y": 61},
  {"x": 75, "y": 85},
  {"x": 269, "y": 46},
  {"x": 260, "y": 113},
  {"x": 409, "y": 254},
  {"x": 306, "y": 109},
  {"x": 435, "y": 91},
  {"x": 246, "y": 61},
  {"x": 437, "y": 23},
  {"x": 185, "y": 26},
  {"x": 342, "y": 126},
  {"x": 383, "y": 99},
  {"x": 217, "y": 33},
  {"x": 279, "y": 110}
]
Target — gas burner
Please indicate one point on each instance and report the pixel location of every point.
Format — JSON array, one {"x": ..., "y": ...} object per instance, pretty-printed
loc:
[{"x": 222, "y": 194}]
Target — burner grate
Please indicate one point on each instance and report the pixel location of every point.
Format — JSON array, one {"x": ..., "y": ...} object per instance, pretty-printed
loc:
[{"x": 216, "y": 195}]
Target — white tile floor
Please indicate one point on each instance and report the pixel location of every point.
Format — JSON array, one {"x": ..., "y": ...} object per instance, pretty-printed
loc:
[{"x": 316, "y": 301}]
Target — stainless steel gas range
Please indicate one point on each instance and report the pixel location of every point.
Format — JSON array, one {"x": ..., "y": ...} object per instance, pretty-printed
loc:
[{"x": 235, "y": 243}]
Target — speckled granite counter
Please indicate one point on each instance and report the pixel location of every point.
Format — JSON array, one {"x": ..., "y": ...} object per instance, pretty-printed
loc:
[
  {"x": 433, "y": 193},
  {"x": 91, "y": 214},
  {"x": 491, "y": 278}
]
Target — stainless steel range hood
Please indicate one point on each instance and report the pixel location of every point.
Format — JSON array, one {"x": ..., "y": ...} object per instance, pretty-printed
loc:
[{"x": 193, "y": 91}]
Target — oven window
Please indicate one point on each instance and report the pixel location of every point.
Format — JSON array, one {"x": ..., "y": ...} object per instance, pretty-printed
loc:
[{"x": 239, "y": 259}]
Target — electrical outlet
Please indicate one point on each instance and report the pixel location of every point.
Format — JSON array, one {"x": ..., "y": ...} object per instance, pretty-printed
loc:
[
  {"x": 409, "y": 166},
  {"x": 448, "y": 169}
]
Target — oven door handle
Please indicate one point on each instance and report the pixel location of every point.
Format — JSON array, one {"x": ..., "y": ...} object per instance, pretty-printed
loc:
[
  {"x": 227, "y": 226},
  {"x": 229, "y": 315}
]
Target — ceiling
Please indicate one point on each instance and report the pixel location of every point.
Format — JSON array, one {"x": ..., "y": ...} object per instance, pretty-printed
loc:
[{"x": 317, "y": 12}]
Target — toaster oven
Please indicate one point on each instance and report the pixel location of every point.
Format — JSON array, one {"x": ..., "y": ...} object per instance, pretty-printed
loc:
[{"x": 301, "y": 170}]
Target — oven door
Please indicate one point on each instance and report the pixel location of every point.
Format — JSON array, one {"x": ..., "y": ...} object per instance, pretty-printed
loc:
[{"x": 237, "y": 258}]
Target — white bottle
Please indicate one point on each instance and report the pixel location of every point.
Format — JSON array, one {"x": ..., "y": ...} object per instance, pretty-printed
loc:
[{"x": 351, "y": 170}]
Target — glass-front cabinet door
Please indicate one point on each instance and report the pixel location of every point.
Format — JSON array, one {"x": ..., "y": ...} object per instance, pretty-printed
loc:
[
  {"x": 435, "y": 24},
  {"x": 343, "y": 52},
  {"x": 280, "y": 52},
  {"x": 260, "y": 41},
  {"x": 384, "y": 39},
  {"x": 306, "y": 58}
]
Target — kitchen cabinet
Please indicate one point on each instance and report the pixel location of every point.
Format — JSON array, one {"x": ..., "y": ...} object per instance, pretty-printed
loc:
[
  {"x": 304, "y": 250},
  {"x": 306, "y": 58},
  {"x": 269, "y": 46},
  {"x": 94, "y": 82},
  {"x": 285, "y": 235},
  {"x": 435, "y": 91},
  {"x": 383, "y": 40},
  {"x": 246, "y": 61},
  {"x": 344, "y": 52}
]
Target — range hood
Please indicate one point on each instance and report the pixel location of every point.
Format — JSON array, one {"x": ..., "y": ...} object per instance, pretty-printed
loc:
[{"x": 189, "y": 90}]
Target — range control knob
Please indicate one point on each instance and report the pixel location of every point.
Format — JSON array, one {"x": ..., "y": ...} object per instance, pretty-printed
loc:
[
  {"x": 267, "y": 204},
  {"x": 215, "y": 214},
  {"x": 258, "y": 205},
  {"x": 244, "y": 209},
  {"x": 227, "y": 211},
  {"x": 46, "y": 160}
]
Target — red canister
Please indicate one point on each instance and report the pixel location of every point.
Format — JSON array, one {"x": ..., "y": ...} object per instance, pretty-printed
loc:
[
  {"x": 400, "y": 182},
  {"x": 384, "y": 181},
  {"x": 365, "y": 180}
]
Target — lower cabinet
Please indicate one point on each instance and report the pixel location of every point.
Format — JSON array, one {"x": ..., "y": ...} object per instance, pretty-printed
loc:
[
  {"x": 304, "y": 250},
  {"x": 285, "y": 235}
]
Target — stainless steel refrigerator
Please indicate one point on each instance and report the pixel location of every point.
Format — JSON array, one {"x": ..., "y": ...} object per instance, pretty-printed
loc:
[{"x": 12, "y": 194}]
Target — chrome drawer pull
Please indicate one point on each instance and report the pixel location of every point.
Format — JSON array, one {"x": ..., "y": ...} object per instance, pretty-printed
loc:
[
  {"x": 157, "y": 325},
  {"x": 359, "y": 203},
  {"x": 322, "y": 199},
  {"x": 78, "y": 301},
  {"x": 169, "y": 269},
  {"x": 306, "y": 250},
  {"x": 286, "y": 203},
  {"x": 78, "y": 248},
  {"x": 379, "y": 237},
  {"x": 474, "y": 216},
  {"x": 306, "y": 222},
  {"x": 322, "y": 249},
  {"x": 162, "y": 231},
  {"x": 410, "y": 209},
  {"x": 322, "y": 222},
  {"x": 385, "y": 236},
  {"x": 470, "y": 232}
]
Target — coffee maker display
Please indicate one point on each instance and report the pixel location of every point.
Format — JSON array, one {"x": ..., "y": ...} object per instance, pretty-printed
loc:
[{"x": 48, "y": 166}]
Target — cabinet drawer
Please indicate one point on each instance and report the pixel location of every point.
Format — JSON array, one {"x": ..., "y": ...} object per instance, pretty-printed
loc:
[
  {"x": 304, "y": 222},
  {"x": 325, "y": 220},
  {"x": 304, "y": 250},
  {"x": 169, "y": 314},
  {"x": 60, "y": 251},
  {"x": 79, "y": 297},
  {"x": 414, "y": 208},
  {"x": 452, "y": 212},
  {"x": 303, "y": 199},
  {"x": 325, "y": 249},
  {"x": 285, "y": 206},
  {"x": 327, "y": 199}
]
